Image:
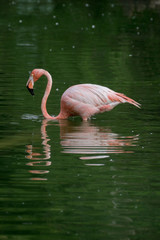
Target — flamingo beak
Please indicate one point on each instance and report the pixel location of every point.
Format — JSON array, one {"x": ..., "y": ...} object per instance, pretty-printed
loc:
[{"x": 30, "y": 85}]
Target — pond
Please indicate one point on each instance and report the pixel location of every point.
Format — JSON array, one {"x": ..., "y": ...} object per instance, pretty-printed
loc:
[{"x": 70, "y": 179}]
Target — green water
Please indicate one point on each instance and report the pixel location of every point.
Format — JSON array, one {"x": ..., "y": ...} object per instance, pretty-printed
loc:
[{"x": 69, "y": 179}]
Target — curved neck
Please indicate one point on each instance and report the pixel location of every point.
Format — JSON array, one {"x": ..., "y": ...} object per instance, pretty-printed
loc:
[{"x": 46, "y": 94}]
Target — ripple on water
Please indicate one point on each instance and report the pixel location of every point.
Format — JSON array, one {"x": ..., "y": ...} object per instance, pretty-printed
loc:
[{"x": 28, "y": 116}]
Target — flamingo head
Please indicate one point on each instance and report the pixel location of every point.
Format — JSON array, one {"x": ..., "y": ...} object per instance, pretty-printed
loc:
[{"x": 34, "y": 76}]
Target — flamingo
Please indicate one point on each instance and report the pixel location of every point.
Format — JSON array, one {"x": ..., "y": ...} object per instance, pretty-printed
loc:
[{"x": 84, "y": 100}]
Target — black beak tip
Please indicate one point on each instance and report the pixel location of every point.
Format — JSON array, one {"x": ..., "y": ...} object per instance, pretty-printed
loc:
[{"x": 31, "y": 91}]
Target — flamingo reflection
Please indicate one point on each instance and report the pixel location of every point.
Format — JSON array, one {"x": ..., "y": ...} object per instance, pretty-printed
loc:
[
  {"x": 85, "y": 139},
  {"x": 93, "y": 141},
  {"x": 39, "y": 159}
]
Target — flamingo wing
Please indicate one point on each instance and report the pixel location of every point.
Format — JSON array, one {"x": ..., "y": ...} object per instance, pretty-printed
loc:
[{"x": 92, "y": 94}]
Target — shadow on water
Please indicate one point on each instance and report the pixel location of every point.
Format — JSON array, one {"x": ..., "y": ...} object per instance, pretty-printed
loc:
[{"x": 90, "y": 142}]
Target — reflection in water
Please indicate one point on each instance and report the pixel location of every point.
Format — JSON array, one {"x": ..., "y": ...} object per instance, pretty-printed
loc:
[
  {"x": 97, "y": 142},
  {"x": 83, "y": 139},
  {"x": 89, "y": 139},
  {"x": 42, "y": 157}
]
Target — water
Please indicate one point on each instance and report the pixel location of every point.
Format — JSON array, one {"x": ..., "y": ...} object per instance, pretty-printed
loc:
[{"x": 70, "y": 179}]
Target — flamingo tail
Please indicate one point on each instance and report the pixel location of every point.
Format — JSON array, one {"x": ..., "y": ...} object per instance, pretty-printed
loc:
[{"x": 123, "y": 98}]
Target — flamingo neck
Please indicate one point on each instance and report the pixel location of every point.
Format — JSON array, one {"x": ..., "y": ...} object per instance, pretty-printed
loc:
[{"x": 45, "y": 97}]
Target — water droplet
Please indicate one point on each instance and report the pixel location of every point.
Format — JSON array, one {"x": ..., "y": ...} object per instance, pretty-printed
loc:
[
  {"x": 130, "y": 55},
  {"x": 93, "y": 26},
  {"x": 57, "y": 89},
  {"x": 45, "y": 28},
  {"x": 138, "y": 33},
  {"x": 57, "y": 23},
  {"x": 50, "y": 49},
  {"x": 54, "y": 16},
  {"x": 151, "y": 19},
  {"x": 87, "y": 5},
  {"x": 20, "y": 21},
  {"x": 73, "y": 46}
]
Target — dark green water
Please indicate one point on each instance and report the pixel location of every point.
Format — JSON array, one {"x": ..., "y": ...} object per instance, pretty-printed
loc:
[{"x": 69, "y": 179}]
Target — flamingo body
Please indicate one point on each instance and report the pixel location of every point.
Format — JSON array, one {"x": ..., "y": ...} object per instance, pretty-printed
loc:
[{"x": 84, "y": 100}]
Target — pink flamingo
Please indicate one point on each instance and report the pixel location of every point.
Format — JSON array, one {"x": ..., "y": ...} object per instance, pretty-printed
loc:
[{"x": 84, "y": 100}]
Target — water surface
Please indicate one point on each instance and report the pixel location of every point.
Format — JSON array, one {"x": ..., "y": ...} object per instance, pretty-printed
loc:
[{"x": 72, "y": 179}]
